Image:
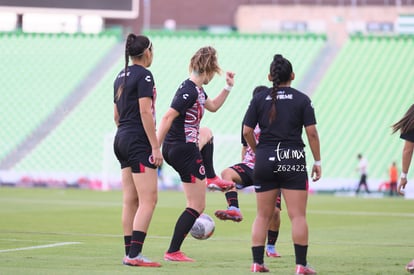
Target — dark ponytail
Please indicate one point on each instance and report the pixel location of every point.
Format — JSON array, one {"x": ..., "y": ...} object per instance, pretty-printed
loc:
[
  {"x": 135, "y": 47},
  {"x": 280, "y": 72}
]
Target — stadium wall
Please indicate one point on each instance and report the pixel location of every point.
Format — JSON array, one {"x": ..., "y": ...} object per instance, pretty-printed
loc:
[{"x": 335, "y": 21}]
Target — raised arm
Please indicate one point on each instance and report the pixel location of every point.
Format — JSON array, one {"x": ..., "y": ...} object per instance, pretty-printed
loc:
[{"x": 214, "y": 104}]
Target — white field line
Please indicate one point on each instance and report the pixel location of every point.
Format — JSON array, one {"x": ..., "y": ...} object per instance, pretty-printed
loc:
[
  {"x": 59, "y": 202},
  {"x": 38, "y": 247}
]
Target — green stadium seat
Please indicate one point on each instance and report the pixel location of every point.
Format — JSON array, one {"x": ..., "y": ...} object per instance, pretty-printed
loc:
[{"x": 77, "y": 145}]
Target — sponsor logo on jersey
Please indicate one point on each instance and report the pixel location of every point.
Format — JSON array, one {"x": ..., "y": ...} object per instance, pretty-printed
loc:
[
  {"x": 148, "y": 78},
  {"x": 283, "y": 95},
  {"x": 122, "y": 74},
  {"x": 185, "y": 96}
]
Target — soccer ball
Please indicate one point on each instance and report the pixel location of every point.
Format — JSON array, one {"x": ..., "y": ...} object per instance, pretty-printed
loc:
[{"x": 203, "y": 227}]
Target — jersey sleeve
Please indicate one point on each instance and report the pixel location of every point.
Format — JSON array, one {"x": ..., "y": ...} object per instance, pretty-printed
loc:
[
  {"x": 308, "y": 113},
  {"x": 250, "y": 118},
  {"x": 146, "y": 85},
  {"x": 117, "y": 83},
  {"x": 183, "y": 100},
  {"x": 408, "y": 136}
]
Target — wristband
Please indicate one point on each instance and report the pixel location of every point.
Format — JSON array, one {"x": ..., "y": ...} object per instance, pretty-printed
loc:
[
  {"x": 403, "y": 175},
  {"x": 228, "y": 87},
  {"x": 317, "y": 163}
]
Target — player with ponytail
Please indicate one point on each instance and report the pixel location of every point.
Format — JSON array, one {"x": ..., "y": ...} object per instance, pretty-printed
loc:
[
  {"x": 406, "y": 128},
  {"x": 281, "y": 113},
  {"x": 136, "y": 146},
  {"x": 179, "y": 133}
]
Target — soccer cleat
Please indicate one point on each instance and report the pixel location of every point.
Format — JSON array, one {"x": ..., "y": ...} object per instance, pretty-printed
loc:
[
  {"x": 177, "y": 256},
  {"x": 303, "y": 270},
  {"x": 271, "y": 251},
  {"x": 259, "y": 268},
  {"x": 218, "y": 184},
  {"x": 232, "y": 213},
  {"x": 139, "y": 260},
  {"x": 410, "y": 267}
]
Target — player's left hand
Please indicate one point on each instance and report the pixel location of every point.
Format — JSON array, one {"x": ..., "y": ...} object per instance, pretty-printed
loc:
[
  {"x": 316, "y": 172},
  {"x": 401, "y": 186}
]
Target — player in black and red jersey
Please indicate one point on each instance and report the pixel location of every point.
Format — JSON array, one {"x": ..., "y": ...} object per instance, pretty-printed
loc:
[
  {"x": 136, "y": 146},
  {"x": 242, "y": 175},
  {"x": 179, "y": 135},
  {"x": 281, "y": 113}
]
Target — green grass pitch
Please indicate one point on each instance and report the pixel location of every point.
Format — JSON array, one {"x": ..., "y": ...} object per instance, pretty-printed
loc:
[{"x": 64, "y": 231}]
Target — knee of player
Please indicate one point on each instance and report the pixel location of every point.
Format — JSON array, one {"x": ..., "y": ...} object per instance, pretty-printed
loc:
[{"x": 227, "y": 174}]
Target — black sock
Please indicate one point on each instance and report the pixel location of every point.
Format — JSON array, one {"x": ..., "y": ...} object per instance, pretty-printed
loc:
[
  {"x": 207, "y": 154},
  {"x": 137, "y": 241},
  {"x": 272, "y": 237},
  {"x": 258, "y": 254},
  {"x": 182, "y": 227},
  {"x": 300, "y": 252},
  {"x": 127, "y": 243},
  {"x": 231, "y": 198}
]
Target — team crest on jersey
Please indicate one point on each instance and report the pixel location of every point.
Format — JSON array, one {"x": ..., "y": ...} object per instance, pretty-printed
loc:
[{"x": 202, "y": 170}]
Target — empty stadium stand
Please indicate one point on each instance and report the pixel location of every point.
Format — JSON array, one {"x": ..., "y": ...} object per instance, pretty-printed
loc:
[
  {"x": 76, "y": 144},
  {"x": 368, "y": 88},
  {"x": 57, "y": 102}
]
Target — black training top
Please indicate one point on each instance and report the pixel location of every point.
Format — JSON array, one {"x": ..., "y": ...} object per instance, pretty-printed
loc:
[
  {"x": 408, "y": 136},
  {"x": 293, "y": 111},
  {"x": 189, "y": 101},
  {"x": 139, "y": 84}
]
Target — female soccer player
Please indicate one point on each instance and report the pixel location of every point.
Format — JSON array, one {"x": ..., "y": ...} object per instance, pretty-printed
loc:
[
  {"x": 242, "y": 175},
  {"x": 406, "y": 127},
  {"x": 136, "y": 146},
  {"x": 281, "y": 113},
  {"x": 179, "y": 135}
]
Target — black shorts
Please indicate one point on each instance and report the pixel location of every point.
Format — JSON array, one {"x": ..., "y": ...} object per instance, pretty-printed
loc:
[
  {"x": 131, "y": 152},
  {"x": 186, "y": 159},
  {"x": 246, "y": 175},
  {"x": 283, "y": 168}
]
